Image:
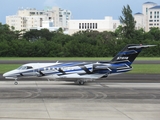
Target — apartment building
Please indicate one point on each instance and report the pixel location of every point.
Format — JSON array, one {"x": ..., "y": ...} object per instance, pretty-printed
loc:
[
  {"x": 107, "y": 24},
  {"x": 27, "y": 19},
  {"x": 61, "y": 17},
  {"x": 150, "y": 16}
]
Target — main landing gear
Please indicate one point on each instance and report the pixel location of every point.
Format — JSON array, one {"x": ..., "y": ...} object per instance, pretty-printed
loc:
[{"x": 80, "y": 82}]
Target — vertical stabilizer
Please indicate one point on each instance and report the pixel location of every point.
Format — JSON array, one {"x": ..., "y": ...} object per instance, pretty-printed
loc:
[{"x": 129, "y": 53}]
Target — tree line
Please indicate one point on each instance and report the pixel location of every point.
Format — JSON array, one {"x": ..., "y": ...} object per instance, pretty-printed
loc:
[{"x": 43, "y": 43}]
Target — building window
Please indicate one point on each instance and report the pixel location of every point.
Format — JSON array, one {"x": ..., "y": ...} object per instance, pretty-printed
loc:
[
  {"x": 154, "y": 20},
  {"x": 79, "y": 25},
  {"x": 154, "y": 16},
  {"x": 150, "y": 16},
  {"x": 82, "y": 25},
  {"x": 93, "y": 25},
  {"x": 32, "y": 13},
  {"x": 157, "y": 20},
  {"x": 146, "y": 10},
  {"x": 150, "y": 20},
  {"x": 158, "y": 16},
  {"x": 96, "y": 25},
  {"x": 85, "y": 25},
  {"x": 150, "y": 13},
  {"x": 150, "y": 24},
  {"x": 158, "y": 24},
  {"x": 90, "y": 25}
]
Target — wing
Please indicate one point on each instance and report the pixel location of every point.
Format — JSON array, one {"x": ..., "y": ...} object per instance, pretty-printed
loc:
[
  {"x": 81, "y": 75},
  {"x": 85, "y": 71}
]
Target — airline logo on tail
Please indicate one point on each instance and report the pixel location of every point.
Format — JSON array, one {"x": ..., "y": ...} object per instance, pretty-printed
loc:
[{"x": 122, "y": 58}]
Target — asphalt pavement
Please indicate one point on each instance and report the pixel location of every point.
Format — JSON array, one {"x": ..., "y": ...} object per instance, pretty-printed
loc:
[{"x": 41, "y": 100}]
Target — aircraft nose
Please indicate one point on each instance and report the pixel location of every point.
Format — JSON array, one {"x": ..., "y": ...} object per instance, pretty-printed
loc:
[
  {"x": 5, "y": 74},
  {"x": 8, "y": 74}
]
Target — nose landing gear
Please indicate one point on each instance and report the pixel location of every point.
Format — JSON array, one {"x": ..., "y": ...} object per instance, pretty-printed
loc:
[{"x": 16, "y": 82}]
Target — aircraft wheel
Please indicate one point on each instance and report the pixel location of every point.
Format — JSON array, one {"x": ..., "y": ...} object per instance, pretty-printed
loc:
[
  {"x": 16, "y": 83},
  {"x": 81, "y": 82}
]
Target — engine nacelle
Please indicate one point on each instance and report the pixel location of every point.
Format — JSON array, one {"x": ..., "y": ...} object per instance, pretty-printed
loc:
[{"x": 101, "y": 67}]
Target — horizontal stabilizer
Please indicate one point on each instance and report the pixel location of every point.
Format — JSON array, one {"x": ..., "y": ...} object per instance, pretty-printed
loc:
[{"x": 140, "y": 46}]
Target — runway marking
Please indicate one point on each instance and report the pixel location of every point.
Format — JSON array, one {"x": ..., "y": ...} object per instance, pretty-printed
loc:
[
  {"x": 103, "y": 95},
  {"x": 123, "y": 113},
  {"x": 103, "y": 85},
  {"x": 39, "y": 91}
]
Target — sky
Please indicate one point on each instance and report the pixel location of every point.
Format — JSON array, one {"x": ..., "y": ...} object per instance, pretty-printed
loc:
[{"x": 81, "y": 9}]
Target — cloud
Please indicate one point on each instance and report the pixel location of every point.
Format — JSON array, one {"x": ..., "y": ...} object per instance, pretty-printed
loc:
[{"x": 50, "y": 3}]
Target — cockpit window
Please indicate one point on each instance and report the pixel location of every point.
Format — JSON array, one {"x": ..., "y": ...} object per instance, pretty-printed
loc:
[
  {"x": 29, "y": 67},
  {"x": 25, "y": 67}
]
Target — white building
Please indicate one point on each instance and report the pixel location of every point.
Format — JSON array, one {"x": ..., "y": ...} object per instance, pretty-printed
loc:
[
  {"x": 61, "y": 17},
  {"x": 107, "y": 24},
  {"x": 46, "y": 25},
  {"x": 14, "y": 21},
  {"x": 27, "y": 19},
  {"x": 140, "y": 21},
  {"x": 149, "y": 18}
]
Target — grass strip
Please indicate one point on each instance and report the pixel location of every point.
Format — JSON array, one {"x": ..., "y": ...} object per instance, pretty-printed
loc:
[
  {"x": 145, "y": 69},
  {"x": 7, "y": 67}
]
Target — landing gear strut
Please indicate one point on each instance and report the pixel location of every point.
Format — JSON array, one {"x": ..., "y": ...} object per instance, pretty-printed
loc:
[{"x": 16, "y": 82}]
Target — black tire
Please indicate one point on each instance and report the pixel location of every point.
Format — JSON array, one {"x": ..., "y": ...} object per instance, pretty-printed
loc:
[
  {"x": 15, "y": 83},
  {"x": 81, "y": 82}
]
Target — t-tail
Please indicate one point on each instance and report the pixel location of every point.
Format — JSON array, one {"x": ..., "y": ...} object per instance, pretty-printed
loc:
[{"x": 129, "y": 53}]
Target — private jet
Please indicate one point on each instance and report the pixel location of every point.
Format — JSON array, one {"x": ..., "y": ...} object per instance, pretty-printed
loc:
[{"x": 79, "y": 72}]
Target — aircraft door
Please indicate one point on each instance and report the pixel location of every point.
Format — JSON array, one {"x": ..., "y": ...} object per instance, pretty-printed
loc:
[{"x": 26, "y": 71}]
